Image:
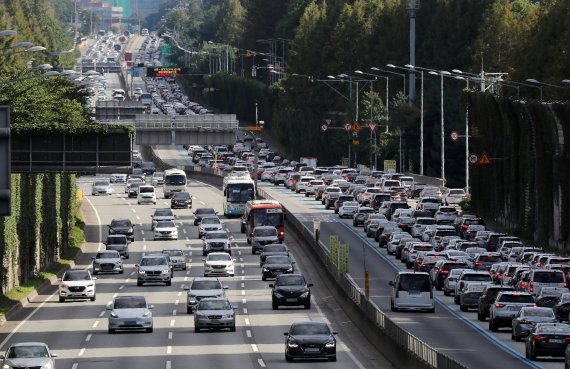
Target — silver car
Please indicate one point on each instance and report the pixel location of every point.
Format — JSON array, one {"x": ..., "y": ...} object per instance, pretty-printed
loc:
[
  {"x": 130, "y": 313},
  {"x": 214, "y": 313},
  {"x": 177, "y": 258},
  {"x": 101, "y": 188},
  {"x": 154, "y": 269},
  {"x": 28, "y": 355},
  {"x": 108, "y": 261},
  {"x": 209, "y": 224},
  {"x": 203, "y": 287}
]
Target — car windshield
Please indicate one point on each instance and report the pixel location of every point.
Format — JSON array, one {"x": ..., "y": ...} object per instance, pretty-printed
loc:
[
  {"x": 309, "y": 329},
  {"x": 214, "y": 305},
  {"x": 175, "y": 180},
  {"x": 181, "y": 196},
  {"x": 414, "y": 282},
  {"x": 23, "y": 352},
  {"x": 173, "y": 252},
  {"x": 219, "y": 257},
  {"x": 264, "y": 232},
  {"x": 549, "y": 277},
  {"x": 516, "y": 297},
  {"x": 154, "y": 261},
  {"x": 130, "y": 302},
  {"x": 490, "y": 258},
  {"x": 163, "y": 213},
  {"x": 165, "y": 224},
  {"x": 116, "y": 240},
  {"x": 216, "y": 235},
  {"x": 121, "y": 223},
  {"x": 211, "y": 220},
  {"x": 274, "y": 248},
  {"x": 277, "y": 260},
  {"x": 477, "y": 277},
  {"x": 293, "y": 280},
  {"x": 101, "y": 183},
  {"x": 204, "y": 211},
  {"x": 146, "y": 189},
  {"x": 107, "y": 255},
  {"x": 77, "y": 275},
  {"x": 206, "y": 285}
]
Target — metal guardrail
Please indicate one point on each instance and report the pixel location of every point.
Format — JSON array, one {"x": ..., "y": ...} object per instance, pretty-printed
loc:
[{"x": 183, "y": 123}]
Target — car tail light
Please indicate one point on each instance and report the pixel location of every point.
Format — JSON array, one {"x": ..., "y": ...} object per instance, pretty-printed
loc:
[
  {"x": 567, "y": 338},
  {"x": 531, "y": 286},
  {"x": 499, "y": 305},
  {"x": 478, "y": 263},
  {"x": 499, "y": 276},
  {"x": 523, "y": 285},
  {"x": 539, "y": 337},
  {"x": 525, "y": 321},
  {"x": 444, "y": 271}
]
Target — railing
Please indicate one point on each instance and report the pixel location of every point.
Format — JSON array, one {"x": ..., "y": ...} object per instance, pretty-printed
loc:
[{"x": 185, "y": 123}]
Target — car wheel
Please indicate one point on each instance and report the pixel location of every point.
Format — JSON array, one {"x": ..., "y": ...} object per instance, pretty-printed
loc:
[
  {"x": 513, "y": 337},
  {"x": 252, "y": 251},
  {"x": 456, "y": 299},
  {"x": 169, "y": 283},
  {"x": 308, "y": 305},
  {"x": 480, "y": 317},
  {"x": 432, "y": 310},
  {"x": 288, "y": 358},
  {"x": 188, "y": 310},
  {"x": 195, "y": 223},
  {"x": 232, "y": 275},
  {"x": 126, "y": 256},
  {"x": 204, "y": 253},
  {"x": 112, "y": 331},
  {"x": 446, "y": 292},
  {"x": 492, "y": 326},
  {"x": 93, "y": 298},
  {"x": 233, "y": 328},
  {"x": 274, "y": 305},
  {"x": 197, "y": 330},
  {"x": 139, "y": 283},
  {"x": 463, "y": 307},
  {"x": 392, "y": 307},
  {"x": 149, "y": 330},
  {"x": 248, "y": 241},
  {"x": 531, "y": 354},
  {"x": 61, "y": 299},
  {"x": 263, "y": 278}
]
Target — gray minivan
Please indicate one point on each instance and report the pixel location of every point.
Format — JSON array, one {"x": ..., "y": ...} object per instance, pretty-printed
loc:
[{"x": 412, "y": 290}]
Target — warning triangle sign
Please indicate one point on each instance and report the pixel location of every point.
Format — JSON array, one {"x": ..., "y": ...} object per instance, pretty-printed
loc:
[{"x": 484, "y": 159}]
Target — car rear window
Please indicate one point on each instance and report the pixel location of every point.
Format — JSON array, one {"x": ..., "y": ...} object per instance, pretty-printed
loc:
[
  {"x": 516, "y": 297},
  {"x": 477, "y": 277},
  {"x": 490, "y": 258},
  {"x": 548, "y": 277},
  {"x": 414, "y": 283}
]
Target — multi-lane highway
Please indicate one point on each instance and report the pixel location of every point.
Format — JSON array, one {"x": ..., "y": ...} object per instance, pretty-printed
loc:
[{"x": 77, "y": 330}]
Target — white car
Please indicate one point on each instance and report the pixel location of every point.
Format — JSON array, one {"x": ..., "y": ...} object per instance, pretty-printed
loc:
[
  {"x": 301, "y": 185},
  {"x": 118, "y": 178},
  {"x": 146, "y": 195},
  {"x": 28, "y": 355},
  {"x": 454, "y": 196},
  {"x": 208, "y": 224},
  {"x": 218, "y": 264},
  {"x": 445, "y": 215},
  {"x": 157, "y": 179},
  {"x": 77, "y": 284},
  {"x": 165, "y": 229},
  {"x": 348, "y": 209},
  {"x": 101, "y": 188}
]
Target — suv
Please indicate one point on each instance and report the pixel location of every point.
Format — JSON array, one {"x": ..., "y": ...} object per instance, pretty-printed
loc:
[
  {"x": 441, "y": 270},
  {"x": 342, "y": 199},
  {"x": 154, "y": 269},
  {"x": 263, "y": 235},
  {"x": 119, "y": 243},
  {"x": 203, "y": 287},
  {"x": 506, "y": 306},
  {"x": 77, "y": 284},
  {"x": 146, "y": 195},
  {"x": 122, "y": 226},
  {"x": 469, "y": 276},
  {"x": 470, "y": 296},
  {"x": 488, "y": 298},
  {"x": 361, "y": 215},
  {"x": 216, "y": 241}
]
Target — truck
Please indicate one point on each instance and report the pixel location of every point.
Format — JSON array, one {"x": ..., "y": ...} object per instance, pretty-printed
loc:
[{"x": 311, "y": 162}]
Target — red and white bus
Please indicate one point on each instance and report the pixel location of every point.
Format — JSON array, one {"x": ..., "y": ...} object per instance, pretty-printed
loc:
[{"x": 263, "y": 213}]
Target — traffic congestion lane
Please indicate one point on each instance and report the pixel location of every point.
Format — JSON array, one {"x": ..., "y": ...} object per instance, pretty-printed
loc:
[{"x": 456, "y": 333}]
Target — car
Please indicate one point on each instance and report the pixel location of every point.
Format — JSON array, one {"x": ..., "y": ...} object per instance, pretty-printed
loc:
[
  {"x": 146, "y": 195},
  {"x": 451, "y": 281},
  {"x": 209, "y": 224},
  {"x": 469, "y": 299},
  {"x": 157, "y": 179},
  {"x": 562, "y": 307},
  {"x": 118, "y": 178},
  {"x": 540, "y": 278},
  {"x": 276, "y": 265},
  {"x": 484, "y": 260},
  {"x": 218, "y": 263},
  {"x": 412, "y": 290},
  {"x": 467, "y": 277},
  {"x": 270, "y": 250},
  {"x": 200, "y": 288},
  {"x": 361, "y": 215},
  {"x": 262, "y": 236},
  {"x": 161, "y": 215},
  {"x": 130, "y": 313},
  {"x": 107, "y": 261},
  {"x": 505, "y": 307},
  {"x": 488, "y": 298},
  {"x": 310, "y": 339},
  {"x": 527, "y": 318},
  {"x": 119, "y": 243},
  {"x": 154, "y": 269},
  {"x": 547, "y": 339},
  {"x": 181, "y": 200},
  {"x": 133, "y": 183},
  {"x": 177, "y": 258},
  {"x": 122, "y": 226},
  {"x": 77, "y": 284},
  {"x": 28, "y": 355},
  {"x": 214, "y": 313},
  {"x": 202, "y": 212},
  {"x": 101, "y": 188},
  {"x": 216, "y": 241},
  {"x": 165, "y": 229},
  {"x": 341, "y": 200},
  {"x": 454, "y": 196},
  {"x": 290, "y": 290},
  {"x": 441, "y": 270},
  {"x": 347, "y": 209}
]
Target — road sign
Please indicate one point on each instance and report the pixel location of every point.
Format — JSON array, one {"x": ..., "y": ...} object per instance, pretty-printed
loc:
[
  {"x": 253, "y": 128},
  {"x": 356, "y": 127},
  {"x": 348, "y": 127},
  {"x": 372, "y": 127},
  {"x": 454, "y": 135},
  {"x": 324, "y": 127},
  {"x": 473, "y": 158},
  {"x": 355, "y": 142},
  {"x": 390, "y": 166},
  {"x": 484, "y": 159}
]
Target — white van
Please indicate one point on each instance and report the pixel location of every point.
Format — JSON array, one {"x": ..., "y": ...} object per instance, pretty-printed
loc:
[
  {"x": 539, "y": 278},
  {"x": 412, "y": 290},
  {"x": 146, "y": 195}
]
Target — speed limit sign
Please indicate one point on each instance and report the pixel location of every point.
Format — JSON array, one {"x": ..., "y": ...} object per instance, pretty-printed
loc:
[
  {"x": 454, "y": 136},
  {"x": 473, "y": 158}
]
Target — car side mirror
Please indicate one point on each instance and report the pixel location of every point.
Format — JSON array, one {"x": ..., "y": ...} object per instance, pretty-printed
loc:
[
  {"x": 52, "y": 355},
  {"x": 204, "y": 259},
  {"x": 92, "y": 257},
  {"x": 94, "y": 278},
  {"x": 225, "y": 287},
  {"x": 310, "y": 285},
  {"x": 285, "y": 333},
  {"x": 109, "y": 307},
  {"x": 271, "y": 285},
  {"x": 186, "y": 288},
  {"x": 335, "y": 333},
  {"x": 151, "y": 306},
  {"x": 391, "y": 283}
]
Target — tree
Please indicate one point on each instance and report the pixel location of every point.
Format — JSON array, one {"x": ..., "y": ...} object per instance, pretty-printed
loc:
[{"x": 230, "y": 18}]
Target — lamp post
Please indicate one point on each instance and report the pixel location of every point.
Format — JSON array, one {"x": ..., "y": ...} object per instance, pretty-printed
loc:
[
  {"x": 466, "y": 136},
  {"x": 442, "y": 74},
  {"x": 541, "y": 85}
]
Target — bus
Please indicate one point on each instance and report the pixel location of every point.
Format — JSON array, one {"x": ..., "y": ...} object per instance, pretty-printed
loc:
[
  {"x": 263, "y": 213},
  {"x": 237, "y": 191},
  {"x": 174, "y": 181}
]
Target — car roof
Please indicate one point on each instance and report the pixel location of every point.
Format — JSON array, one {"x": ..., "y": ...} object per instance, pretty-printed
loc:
[{"x": 205, "y": 279}]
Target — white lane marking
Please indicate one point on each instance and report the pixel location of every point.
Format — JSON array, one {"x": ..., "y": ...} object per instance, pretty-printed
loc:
[
  {"x": 174, "y": 312},
  {"x": 128, "y": 279},
  {"x": 176, "y": 302},
  {"x": 241, "y": 260},
  {"x": 189, "y": 260},
  {"x": 172, "y": 322},
  {"x": 121, "y": 287},
  {"x": 188, "y": 272},
  {"x": 144, "y": 247},
  {"x": 102, "y": 313},
  {"x": 144, "y": 239},
  {"x": 243, "y": 301},
  {"x": 202, "y": 202},
  {"x": 132, "y": 273},
  {"x": 239, "y": 252},
  {"x": 188, "y": 239},
  {"x": 133, "y": 209},
  {"x": 168, "y": 365},
  {"x": 243, "y": 285},
  {"x": 81, "y": 352},
  {"x": 248, "y": 333},
  {"x": 184, "y": 231},
  {"x": 115, "y": 295},
  {"x": 246, "y": 321},
  {"x": 74, "y": 366},
  {"x": 169, "y": 349},
  {"x": 179, "y": 294},
  {"x": 138, "y": 218},
  {"x": 100, "y": 230},
  {"x": 245, "y": 310},
  {"x": 169, "y": 335},
  {"x": 261, "y": 363},
  {"x": 88, "y": 338},
  {"x": 185, "y": 279},
  {"x": 254, "y": 347},
  {"x": 242, "y": 292},
  {"x": 95, "y": 324},
  {"x": 142, "y": 232},
  {"x": 242, "y": 265},
  {"x": 242, "y": 271},
  {"x": 243, "y": 278}
]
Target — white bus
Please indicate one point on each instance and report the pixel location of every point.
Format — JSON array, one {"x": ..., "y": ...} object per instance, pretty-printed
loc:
[
  {"x": 174, "y": 181},
  {"x": 237, "y": 191}
]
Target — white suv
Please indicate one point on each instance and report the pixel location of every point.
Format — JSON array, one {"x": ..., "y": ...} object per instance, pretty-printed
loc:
[{"x": 146, "y": 195}]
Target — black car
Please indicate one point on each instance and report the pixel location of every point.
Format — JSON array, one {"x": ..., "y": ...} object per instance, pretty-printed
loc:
[
  {"x": 148, "y": 167},
  {"x": 310, "y": 339},
  {"x": 122, "y": 226},
  {"x": 290, "y": 290},
  {"x": 201, "y": 213},
  {"x": 547, "y": 339},
  {"x": 562, "y": 308},
  {"x": 276, "y": 265},
  {"x": 361, "y": 215},
  {"x": 181, "y": 200},
  {"x": 488, "y": 298},
  {"x": 272, "y": 250}
]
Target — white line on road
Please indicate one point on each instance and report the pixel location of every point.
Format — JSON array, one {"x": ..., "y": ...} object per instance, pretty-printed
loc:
[
  {"x": 176, "y": 302},
  {"x": 115, "y": 295},
  {"x": 254, "y": 347},
  {"x": 174, "y": 312},
  {"x": 142, "y": 232},
  {"x": 261, "y": 363},
  {"x": 121, "y": 287},
  {"x": 241, "y": 260},
  {"x": 102, "y": 313},
  {"x": 188, "y": 239},
  {"x": 133, "y": 209},
  {"x": 144, "y": 239},
  {"x": 248, "y": 333},
  {"x": 242, "y": 271},
  {"x": 179, "y": 294},
  {"x": 185, "y": 279},
  {"x": 246, "y": 321},
  {"x": 81, "y": 352},
  {"x": 168, "y": 365},
  {"x": 172, "y": 322},
  {"x": 127, "y": 280},
  {"x": 243, "y": 301},
  {"x": 184, "y": 231},
  {"x": 245, "y": 310},
  {"x": 188, "y": 272},
  {"x": 243, "y": 278},
  {"x": 95, "y": 324},
  {"x": 144, "y": 247},
  {"x": 138, "y": 218},
  {"x": 169, "y": 335},
  {"x": 132, "y": 273},
  {"x": 74, "y": 366},
  {"x": 243, "y": 285},
  {"x": 88, "y": 338},
  {"x": 242, "y": 292},
  {"x": 169, "y": 349},
  {"x": 202, "y": 202}
]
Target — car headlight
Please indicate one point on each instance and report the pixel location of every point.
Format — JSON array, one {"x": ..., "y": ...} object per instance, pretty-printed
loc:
[
  {"x": 290, "y": 269},
  {"x": 265, "y": 269},
  {"x": 142, "y": 271},
  {"x": 330, "y": 344},
  {"x": 91, "y": 285},
  {"x": 278, "y": 295},
  {"x": 165, "y": 270},
  {"x": 113, "y": 315},
  {"x": 227, "y": 316},
  {"x": 63, "y": 285},
  {"x": 305, "y": 294},
  {"x": 292, "y": 344},
  {"x": 146, "y": 315}
]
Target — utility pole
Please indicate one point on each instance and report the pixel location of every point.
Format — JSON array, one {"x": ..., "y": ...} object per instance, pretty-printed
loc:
[{"x": 412, "y": 6}]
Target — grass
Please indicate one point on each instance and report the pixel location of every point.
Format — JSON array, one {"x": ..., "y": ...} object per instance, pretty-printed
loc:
[{"x": 12, "y": 297}]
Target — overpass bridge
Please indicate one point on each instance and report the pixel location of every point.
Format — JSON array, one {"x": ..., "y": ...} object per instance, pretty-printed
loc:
[{"x": 216, "y": 129}]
